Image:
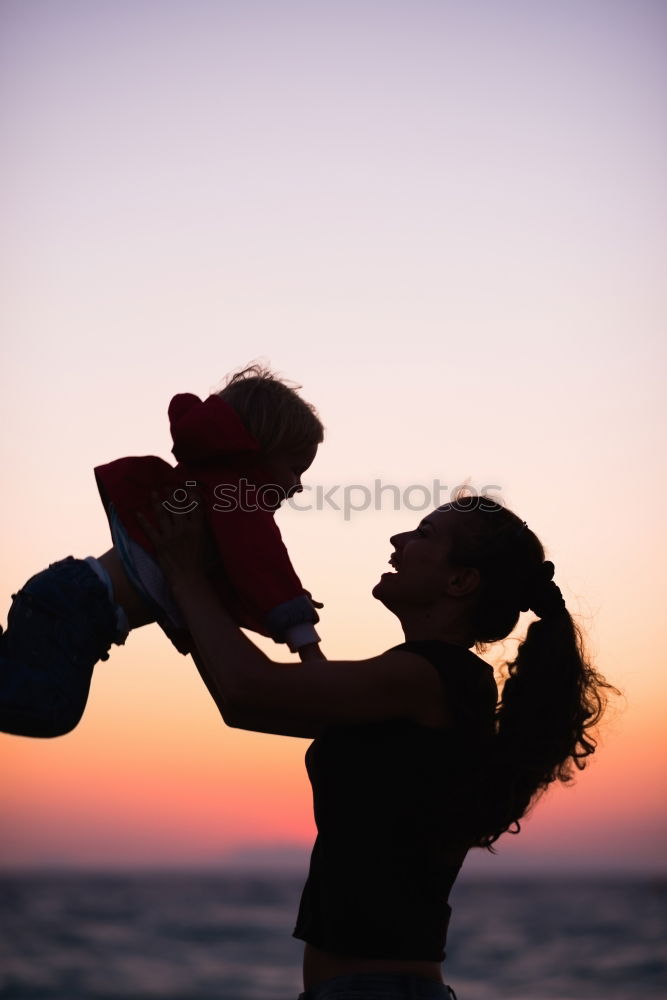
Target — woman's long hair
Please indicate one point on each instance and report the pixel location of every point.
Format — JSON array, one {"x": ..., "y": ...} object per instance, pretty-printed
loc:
[{"x": 553, "y": 696}]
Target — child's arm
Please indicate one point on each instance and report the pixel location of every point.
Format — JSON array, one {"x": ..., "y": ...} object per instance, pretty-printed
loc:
[{"x": 271, "y": 598}]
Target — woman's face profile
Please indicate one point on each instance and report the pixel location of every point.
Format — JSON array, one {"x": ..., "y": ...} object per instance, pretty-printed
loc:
[{"x": 420, "y": 562}]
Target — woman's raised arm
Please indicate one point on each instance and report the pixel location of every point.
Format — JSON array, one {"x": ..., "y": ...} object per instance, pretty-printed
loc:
[{"x": 292, "y": 699}]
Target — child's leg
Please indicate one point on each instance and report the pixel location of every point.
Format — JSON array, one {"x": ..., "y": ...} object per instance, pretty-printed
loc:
[{"x": 60, "y": 624}]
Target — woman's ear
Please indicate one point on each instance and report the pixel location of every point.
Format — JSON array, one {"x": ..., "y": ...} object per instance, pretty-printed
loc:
[{"x": 463, "y": 581}]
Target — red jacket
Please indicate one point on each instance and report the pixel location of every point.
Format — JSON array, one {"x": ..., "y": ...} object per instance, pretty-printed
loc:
[{"x": 215, "y": 451}]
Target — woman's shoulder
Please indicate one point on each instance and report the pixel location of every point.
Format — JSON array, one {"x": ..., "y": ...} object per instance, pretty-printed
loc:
[{"x": 468, "y": 679}]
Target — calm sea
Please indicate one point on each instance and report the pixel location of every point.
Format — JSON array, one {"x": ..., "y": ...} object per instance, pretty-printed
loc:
[{"x": 227, "y": 937}]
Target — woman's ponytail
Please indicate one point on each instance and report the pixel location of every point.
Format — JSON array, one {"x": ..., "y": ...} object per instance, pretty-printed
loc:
[
  {"x": 552, "y": 697},
  {"x": 551, "y": 700}
]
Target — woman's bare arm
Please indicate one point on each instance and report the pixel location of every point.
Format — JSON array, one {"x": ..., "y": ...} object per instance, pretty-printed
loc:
[
  {"x": 294, "y": 699},
  {"x": 300, "y": 699}
]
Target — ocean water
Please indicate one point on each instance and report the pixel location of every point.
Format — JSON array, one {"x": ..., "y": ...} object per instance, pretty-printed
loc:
[{"x": 219, "y": 936}]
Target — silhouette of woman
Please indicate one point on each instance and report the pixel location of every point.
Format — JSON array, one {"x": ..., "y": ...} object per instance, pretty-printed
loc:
[{"x": 414, "y": 760}]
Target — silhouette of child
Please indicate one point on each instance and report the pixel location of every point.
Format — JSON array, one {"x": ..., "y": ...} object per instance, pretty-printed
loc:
[{"x": 245, "y": 449}]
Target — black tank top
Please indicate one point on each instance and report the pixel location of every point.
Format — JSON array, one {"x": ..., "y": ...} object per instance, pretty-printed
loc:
[{"x": 394, "y": 805}]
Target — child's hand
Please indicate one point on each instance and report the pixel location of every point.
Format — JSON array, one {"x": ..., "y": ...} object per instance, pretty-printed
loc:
[
  {"x": 182, "y": 542},
  {"x": 316, "y": 604}
]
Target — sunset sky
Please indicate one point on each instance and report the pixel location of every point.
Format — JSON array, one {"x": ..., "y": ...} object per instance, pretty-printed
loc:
[{"x": 446, "y": 220}]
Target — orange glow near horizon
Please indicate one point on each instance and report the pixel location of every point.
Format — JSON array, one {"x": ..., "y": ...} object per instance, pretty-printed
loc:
[{"x": 168, "y": 783}]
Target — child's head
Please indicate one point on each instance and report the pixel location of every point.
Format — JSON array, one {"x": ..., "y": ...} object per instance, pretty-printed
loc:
[
  {"x": 273, "y": 412},
  {"x": 286, "y": 427}
]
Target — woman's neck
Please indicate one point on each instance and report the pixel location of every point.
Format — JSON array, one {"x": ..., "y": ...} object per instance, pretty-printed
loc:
[{"x": 428, "y": 623}]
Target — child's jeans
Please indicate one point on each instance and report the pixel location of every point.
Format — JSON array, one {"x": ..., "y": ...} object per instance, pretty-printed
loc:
[{"x": 59, "y": 625}]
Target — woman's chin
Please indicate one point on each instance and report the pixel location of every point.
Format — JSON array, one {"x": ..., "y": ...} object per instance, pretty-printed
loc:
[{"x": 381, "y": 590}]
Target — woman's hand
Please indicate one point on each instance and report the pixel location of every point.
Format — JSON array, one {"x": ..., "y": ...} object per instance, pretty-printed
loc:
[
  {"x": 312, "y": 651},
  {"x": 182, "y": 542}
]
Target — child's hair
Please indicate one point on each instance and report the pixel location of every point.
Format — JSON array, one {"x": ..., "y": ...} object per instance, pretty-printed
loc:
[
  {"x": 553, "y": 696},
  {"x": 272, "y": 411}
]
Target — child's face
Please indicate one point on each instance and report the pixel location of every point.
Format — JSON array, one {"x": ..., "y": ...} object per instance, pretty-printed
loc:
[{"x": 285, "y": 468}]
